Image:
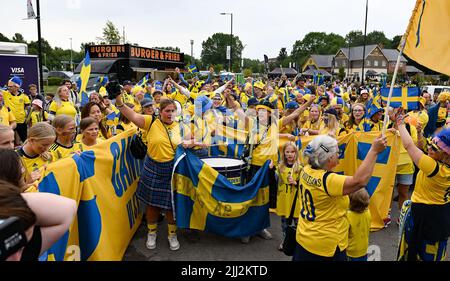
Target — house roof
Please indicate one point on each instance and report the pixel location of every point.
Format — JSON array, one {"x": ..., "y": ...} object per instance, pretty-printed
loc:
[
  {"x": 287, "y": 71},
  {"x": 412, "y": 69},
  {"x": 310, "y": 72},
  {"x": 392, "y": 54},
  {"x": 356, "y": 53},
  {"x": 323, "y": 61}
]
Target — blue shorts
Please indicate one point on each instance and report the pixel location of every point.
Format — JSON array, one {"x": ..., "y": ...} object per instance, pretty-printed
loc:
[{"x": 404, "y": 179}]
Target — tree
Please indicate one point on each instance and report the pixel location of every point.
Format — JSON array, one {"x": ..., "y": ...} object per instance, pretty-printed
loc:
[
  {"x": 395, "y": 42},
  {"x": 18, "y": 38},
  {"x": 255, "y": 65},
  {"x": 215, "y": 47},
  {"x": 355, "y": 38},
  {"x": 83, "y": 46},
  {"x": 111, "y": 34},
  {"x": 319, "y": 43},
  {"x": 283, "y": 58},
  {"x": 3, "y": 38},
  {"x": 378, "y": 37}
]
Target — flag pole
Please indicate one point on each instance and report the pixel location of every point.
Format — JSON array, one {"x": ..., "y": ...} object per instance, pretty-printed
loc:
[{"x": 391, "y": 89}]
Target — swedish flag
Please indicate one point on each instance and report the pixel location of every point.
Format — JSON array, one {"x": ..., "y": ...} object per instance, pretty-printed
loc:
[
  {"x": 192, "y": 68},
  {"x": 84, "y": 78},
  {"x": 207, "y": 201},
  {"x": 427, "y": 37},
  {"x": 228, "y": 142},
  {"x": 144, "y": 80},
  {"x": 408, "y": 98}
]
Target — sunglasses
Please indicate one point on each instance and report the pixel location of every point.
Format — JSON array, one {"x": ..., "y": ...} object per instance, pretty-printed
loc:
[{"x": 433, "y": 145}]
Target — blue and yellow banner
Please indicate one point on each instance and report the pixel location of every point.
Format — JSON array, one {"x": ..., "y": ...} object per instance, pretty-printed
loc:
[
  {"x": 103, "y": 181},
  {"x": 427, "y": 37},
  {"x": 406, "y": 97},
  {"x": 207, "y": 201},
  {"x": 192, "y": 68}
]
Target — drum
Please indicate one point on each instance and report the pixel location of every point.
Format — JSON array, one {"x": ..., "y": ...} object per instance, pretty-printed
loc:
[{"x": 232, "y": 169}]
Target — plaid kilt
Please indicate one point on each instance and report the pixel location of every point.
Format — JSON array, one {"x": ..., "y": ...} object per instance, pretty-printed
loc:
[{"x": 154, "y": 188}]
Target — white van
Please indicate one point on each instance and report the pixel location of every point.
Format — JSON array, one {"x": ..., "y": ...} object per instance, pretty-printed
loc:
[{"x": 435, "y": 90}]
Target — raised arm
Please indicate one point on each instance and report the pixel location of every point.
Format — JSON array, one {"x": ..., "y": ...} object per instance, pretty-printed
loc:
[
  {"x": 298, "y": 111},
  {"x": 182, "y": 90},
  {"x": 130, "y": 114},
  {"x": 181, "y": 76}
]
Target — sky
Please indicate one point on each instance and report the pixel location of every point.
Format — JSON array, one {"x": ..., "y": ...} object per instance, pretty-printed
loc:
[{"x": 263, "y": 26}]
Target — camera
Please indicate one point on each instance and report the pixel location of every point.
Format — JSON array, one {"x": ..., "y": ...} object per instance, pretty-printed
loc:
[
  {"x": 114, "y": 89},
  {"x": 12, "y": 237}
]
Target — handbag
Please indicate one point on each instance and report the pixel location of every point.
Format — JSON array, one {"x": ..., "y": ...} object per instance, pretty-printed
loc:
[
  {"x": 290, "y": 241},
  {"x": 137, "y": 146}
]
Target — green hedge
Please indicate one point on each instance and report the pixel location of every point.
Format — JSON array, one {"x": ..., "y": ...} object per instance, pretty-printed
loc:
[{"x": 54, "y": 81}]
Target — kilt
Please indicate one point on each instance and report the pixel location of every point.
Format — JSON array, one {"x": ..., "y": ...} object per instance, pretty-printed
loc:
[{"x": 154, "y": 187}]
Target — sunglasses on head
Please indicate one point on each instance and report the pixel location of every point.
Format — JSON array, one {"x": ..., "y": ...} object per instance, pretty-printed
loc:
[{"x": 433, "y": 145}]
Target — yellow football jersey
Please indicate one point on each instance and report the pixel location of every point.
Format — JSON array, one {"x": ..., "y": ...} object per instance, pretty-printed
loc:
[
  {"x": 322, "y": 224},
  {"x": 432, "y": 182},
  {"x": 17, "y": 105},
  {"x": 60, "y": 151},
  {"x": 358, "y": 234},
  {"x": 286, "y": 193},
  {"x": 6, "y": 116}
]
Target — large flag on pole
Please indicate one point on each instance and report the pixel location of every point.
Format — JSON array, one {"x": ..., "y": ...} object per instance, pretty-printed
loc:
[
  {"x": 428, "y": 37},
  {"x": 406, "y": 97},
  {"x": 84, "y": 78}
]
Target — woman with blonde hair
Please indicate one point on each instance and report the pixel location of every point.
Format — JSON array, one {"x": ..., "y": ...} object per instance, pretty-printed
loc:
[
  {"x": 331, "y": 125},
  {"x": 314, "y": 123},
  {"x": 61, "y": 104},
  {"x": 35, "y": 152},
  {"x": 288, "y": 171},
  {"x": 6, "y": 137},
  {"x": 65, "y": 133}
]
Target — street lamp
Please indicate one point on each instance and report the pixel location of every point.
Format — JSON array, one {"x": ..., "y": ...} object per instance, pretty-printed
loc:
[
  {"x": 231, "y": 43},
  {"x": 71, "y": 66},
  {"x": 192, "y": 51}
]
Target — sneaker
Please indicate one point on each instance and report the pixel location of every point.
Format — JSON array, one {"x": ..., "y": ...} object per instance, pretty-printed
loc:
[
  {"x": 245, "y": 240},
  {"x": 151, "y": 241},
  {"x": 387, "y": 221},
  {"x": 265, "y": 234},
  {"x": 280, "y": 247},
  {"x": 173, "y": 242}
]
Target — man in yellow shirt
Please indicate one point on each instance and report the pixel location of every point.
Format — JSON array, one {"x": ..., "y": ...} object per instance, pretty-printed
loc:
[
  {"x": 18, "y": 102},
  {"x": 6, "y": 116}
]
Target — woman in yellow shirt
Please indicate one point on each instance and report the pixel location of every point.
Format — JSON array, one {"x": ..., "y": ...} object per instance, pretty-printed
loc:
[
  {"x": 65, "y": 134},
  {"x": 425, "y": 220},
  {"x": 35, "y": 152},
  {"x": 154, "y": 188},
  {"x": 89, "y": 131},
  {"x": 61, "y": 104},
  {"x": 322, "y": 231},
  {"x": 357, "y": 121},
  {"x": 313, "y": 125}
]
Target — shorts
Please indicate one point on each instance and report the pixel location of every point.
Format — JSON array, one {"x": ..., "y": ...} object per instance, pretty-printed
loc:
[{"x": 406, "y": 179}]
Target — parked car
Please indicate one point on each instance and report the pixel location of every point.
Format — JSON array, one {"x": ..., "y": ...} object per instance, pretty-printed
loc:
[
  {"x": 436, "y": 90},
  {"x": 60, "y": 74},
  {"x": 45, "y": 72}
]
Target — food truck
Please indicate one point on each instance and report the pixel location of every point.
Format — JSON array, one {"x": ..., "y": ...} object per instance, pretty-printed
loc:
[{"x": 130, "y": 62}]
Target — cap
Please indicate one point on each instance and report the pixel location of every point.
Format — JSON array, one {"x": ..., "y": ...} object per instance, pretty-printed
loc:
[
  {"x": 127, "y": 82},
  {"x": 137, "y": 89},
  {"x": 259, "y": 85},
  {"x": 443, "y": 140},
  {"x": 332, "y": 111},
  {"x": 374, "y": 110},
  {"x": 37, "y": 102},
  {"x": 265, "y": 104},
  {"x": 147, "y": 102},
  {"x": 324, "y": 97},
  {"x": 364, "y": 91},
  {"x": 301, "y": 78},
  {"x": 337, "y": 90},
  {"x": 292, "y": 105},
  {"x": 15, "y": 81}
]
